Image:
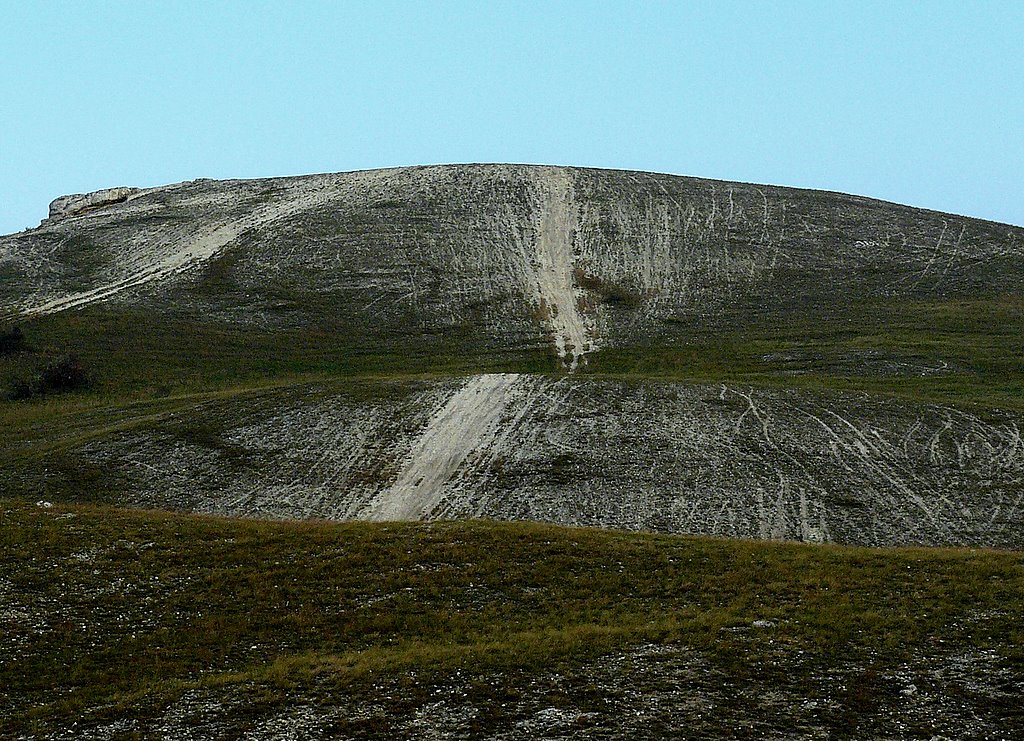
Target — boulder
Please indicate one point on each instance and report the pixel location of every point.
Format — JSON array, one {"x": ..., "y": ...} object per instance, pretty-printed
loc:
[{"x": 78, "y": 203}]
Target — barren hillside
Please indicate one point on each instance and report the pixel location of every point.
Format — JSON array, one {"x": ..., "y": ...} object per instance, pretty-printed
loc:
[{"x": 576, "y": 346}]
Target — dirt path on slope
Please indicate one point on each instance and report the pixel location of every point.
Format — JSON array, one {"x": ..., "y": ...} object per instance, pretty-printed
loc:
[
  {"x": 466, "y": 422},
  {"x": 553, "y": 285},
  {"x": 186, "y": 253}
]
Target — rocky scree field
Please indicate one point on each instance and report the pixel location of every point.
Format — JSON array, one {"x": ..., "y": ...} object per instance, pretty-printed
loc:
[{"x": 618, "y": 350}]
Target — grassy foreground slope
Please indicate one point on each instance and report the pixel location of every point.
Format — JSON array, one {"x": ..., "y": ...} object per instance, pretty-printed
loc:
[{"x": 132, "y": 624}]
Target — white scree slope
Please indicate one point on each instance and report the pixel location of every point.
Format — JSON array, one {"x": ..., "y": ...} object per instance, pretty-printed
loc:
[{"x": 466, "y": 422}]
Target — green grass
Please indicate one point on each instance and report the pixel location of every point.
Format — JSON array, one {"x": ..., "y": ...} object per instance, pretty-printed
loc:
[
  {"x": 978, "y": 339},
  {"x": 133, "y": 355},
  {"x": 123, "y": 611}
]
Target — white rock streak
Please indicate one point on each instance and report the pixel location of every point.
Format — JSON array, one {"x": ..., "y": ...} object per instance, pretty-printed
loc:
[
  {"x": 467, "y": 422},
  {"x": 185, "y": 254},
  {"x": 553, "y": 285},
  {"x": 470, "y": 419}
]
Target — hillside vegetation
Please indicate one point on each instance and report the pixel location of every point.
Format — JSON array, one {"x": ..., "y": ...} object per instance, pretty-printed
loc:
[
  {"x": 141, "y": 624},
  {"x": 450, "y": 451}
]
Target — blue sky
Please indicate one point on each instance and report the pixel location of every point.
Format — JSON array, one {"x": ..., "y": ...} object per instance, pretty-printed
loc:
[{"x": 920, "y": 103}]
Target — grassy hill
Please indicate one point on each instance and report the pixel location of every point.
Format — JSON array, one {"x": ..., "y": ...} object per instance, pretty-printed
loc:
[
  {"x": 486, "y": 427},
  {"x": 655, "y": 353},
  {"x": 143, "y": 624}
]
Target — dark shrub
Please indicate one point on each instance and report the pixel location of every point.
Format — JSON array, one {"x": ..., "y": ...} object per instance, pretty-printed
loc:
[
  {"x": 616, "y": 294},
  {"x": 610, "y": 293},
  {"x": 11, "y": 341},
  {"x": 20, "y": 388},
  {"x": 63, "y": 373}
]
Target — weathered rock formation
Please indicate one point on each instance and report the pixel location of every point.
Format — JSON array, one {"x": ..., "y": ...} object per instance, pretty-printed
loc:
[{"x": 80, "y": 203}]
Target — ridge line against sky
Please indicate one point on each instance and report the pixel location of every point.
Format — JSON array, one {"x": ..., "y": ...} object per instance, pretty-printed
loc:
[{"x": 916, "y": 103}]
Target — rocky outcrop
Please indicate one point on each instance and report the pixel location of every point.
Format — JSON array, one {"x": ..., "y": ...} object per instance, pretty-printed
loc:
[{"x": 79, "y": 203}]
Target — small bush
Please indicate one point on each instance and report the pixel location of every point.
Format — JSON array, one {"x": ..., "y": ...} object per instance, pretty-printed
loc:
[
  {"x": 12, "y": 341},
  {"x": 610, "y": 293},
  {"x": 616, "y": 294},
  {"x": 20, "y": 389},
  {"x": 63, "y": 373}
]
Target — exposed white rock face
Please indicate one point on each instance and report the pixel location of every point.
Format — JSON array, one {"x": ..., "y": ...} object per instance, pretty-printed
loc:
[
  {"x": 593, "y": 258},
  {"x": 552, "y": 279},
  {"x": 77, "y": 203},
  {"x": 497, "y": 270},
  {"x": 674, "y": 457}
]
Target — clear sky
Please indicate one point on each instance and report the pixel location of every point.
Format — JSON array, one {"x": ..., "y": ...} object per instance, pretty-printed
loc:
[{"x": 920, "y": 103}]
